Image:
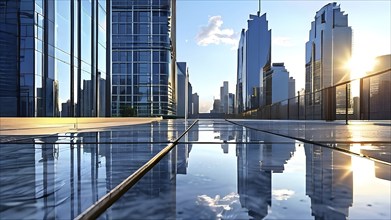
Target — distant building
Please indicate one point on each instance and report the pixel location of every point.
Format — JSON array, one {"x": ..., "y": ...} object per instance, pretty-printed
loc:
[
  {"x": 277, "y": 84},
  {"x": 189, "y": 98},
  {"x": 231, "y": 103},
  {"x": 375, "y": 99},
  {"x": 328, "y": 50},
  {"x": 55, "y": 58},
  {"x": 224, "y": 97},
  {"x": 216, "y": 106},
  {"x": 196, "y": 104},
  {"x": 292, "y": 88},
  {"x": 254, "y": 53},
  {"x": 182, "y": 82}
]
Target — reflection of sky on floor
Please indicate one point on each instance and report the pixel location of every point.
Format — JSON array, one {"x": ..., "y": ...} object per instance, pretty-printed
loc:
[{"x": 218, "y": 171}]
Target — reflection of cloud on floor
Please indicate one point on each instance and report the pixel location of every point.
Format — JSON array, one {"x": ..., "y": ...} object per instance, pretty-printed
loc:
[
  {"x": 282, "y": 194},
  {"x": 226, "y": 207}
]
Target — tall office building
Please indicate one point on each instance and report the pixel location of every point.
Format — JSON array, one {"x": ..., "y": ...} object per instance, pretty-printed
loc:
[
  {"x": 195, "y": 104},
  {"x": 328, "y": 50},
  {"x": 375, "y": 99},
  {"x": 54, "y": 58},
  {"x": 254, "y": 54},
  {"x": 189, "y": 98},
  {"x": 291, "y": 87},
  {"x": 224, "y": 97},
  {"x": 182, "y": 81},
  {"x": 277, "y": 84},
  {"x": 231, "y": 103},
  {"x": 144, "y": 57},
  {"x": 216, "y": 106}
]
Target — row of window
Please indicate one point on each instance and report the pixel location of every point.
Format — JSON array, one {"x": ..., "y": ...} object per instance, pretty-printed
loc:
[
  {"x": 139, "y": 90},
  {"x": 139, "y": 16},
  {"x": 140, "y": 2},
  {"x": 139, "y": 28},
  {"x": 135, "y": 40},
  {"x": 141, "y": 46},
  {"x": 140, "y": 68},
  {"x": 139, "y": 79},
  {"x": 140, "y": 56}
]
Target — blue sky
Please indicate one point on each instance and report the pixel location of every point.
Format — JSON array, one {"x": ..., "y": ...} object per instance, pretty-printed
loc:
[{"x": 208, "y": 33}]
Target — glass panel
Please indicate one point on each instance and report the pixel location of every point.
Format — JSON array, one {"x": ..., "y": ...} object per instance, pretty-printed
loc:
[{"x": 63, "y": 25}]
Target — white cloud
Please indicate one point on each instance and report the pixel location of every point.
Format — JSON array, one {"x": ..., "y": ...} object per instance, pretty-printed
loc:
[
  {"x": 282, "y": 41},
  {"x": 225, "y": 207},
  {"x": 214, "y": 34},
  {"x": 205, "y": 106},
  {"x": 282, "y": 194}
]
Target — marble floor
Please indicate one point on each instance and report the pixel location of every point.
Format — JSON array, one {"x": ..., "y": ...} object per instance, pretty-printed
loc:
[{"x": 220, "y": 169}]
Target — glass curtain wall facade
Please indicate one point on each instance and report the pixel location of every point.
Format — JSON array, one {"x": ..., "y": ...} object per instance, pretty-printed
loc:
[
  {"x": 58, "y": 58},
  {"x": 327, "y": 52},
  {"x": 143, "y": 56},
  {"x": 254, "y": 54}
]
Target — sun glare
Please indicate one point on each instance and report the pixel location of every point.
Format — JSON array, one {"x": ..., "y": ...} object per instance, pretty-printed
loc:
[{"x": 359, "y": 66}]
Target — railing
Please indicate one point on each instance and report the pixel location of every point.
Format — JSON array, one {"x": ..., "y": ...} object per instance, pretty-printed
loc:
[{"x": 366, "y": 98}]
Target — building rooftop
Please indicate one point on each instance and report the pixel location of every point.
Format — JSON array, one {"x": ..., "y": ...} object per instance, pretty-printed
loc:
[{"x": 219, "y": 168}]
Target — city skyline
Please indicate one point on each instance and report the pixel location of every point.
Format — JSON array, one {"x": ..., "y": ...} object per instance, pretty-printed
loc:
[
  {"x": 105, "y": 109},
  {"x": 215, "y": 32}
]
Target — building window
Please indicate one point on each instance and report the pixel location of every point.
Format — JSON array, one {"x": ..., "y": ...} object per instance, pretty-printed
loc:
[{"x": 323, "y": 17}]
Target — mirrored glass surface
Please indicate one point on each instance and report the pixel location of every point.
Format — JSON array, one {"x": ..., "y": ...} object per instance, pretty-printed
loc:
[{"x": 218, "y": 170}]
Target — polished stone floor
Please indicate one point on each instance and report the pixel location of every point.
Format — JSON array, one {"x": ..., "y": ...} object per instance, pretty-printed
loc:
[{"x": 236, "y": 169}]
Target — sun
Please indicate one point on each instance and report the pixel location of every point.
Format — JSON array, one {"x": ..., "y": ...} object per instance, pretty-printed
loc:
[{"x": 359, "y": 66}]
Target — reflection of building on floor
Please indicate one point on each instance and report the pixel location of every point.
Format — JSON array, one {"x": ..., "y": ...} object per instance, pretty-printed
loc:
[
  {"x": 382, "y": 171},
  {"x": 255, "y": 168},
  {"x": 193, "y": 133},
  {"x": 225, "y": 148},
  {"x": 275, "y": 156},
  {"x": 226, "y": 135},
  {"x": 30, "y": 178},
  {"x": 329, "y": 182},
  {"x": 155, "y": 189},
  {"x": 254, "y": 184},
  {"x": 183, "y": 150},
  {"x": 17, "y": 169}
]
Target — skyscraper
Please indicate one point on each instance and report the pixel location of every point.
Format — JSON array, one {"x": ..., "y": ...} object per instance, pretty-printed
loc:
[
  {"x": 327, "y": 52},
  {"x": 277, "y": 84},
  {"x": 189, "y": 97},
  {"x": 144, "y": 57},
  {"x": 182, "y": 81},
  {"x": 375, "y": 99},
  {"x": 231, "y": 103},
  {"x": 195, "y": 104},
  {"x": 224, "y": 97},
  {"x": 254, "y": 54},
  {"x": 55, "y": 58}
]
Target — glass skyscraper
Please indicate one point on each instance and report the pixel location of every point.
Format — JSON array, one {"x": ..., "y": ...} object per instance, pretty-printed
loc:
[
  {"x": 143, "y": 34},
  {"x": 254, "y": 54},
  {"x": 328, "y": 50},
  {"x": 55, "y": 58}
]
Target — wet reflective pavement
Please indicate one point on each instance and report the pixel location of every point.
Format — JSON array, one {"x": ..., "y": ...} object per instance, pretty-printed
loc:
[{"x": 219, "y": 170}]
